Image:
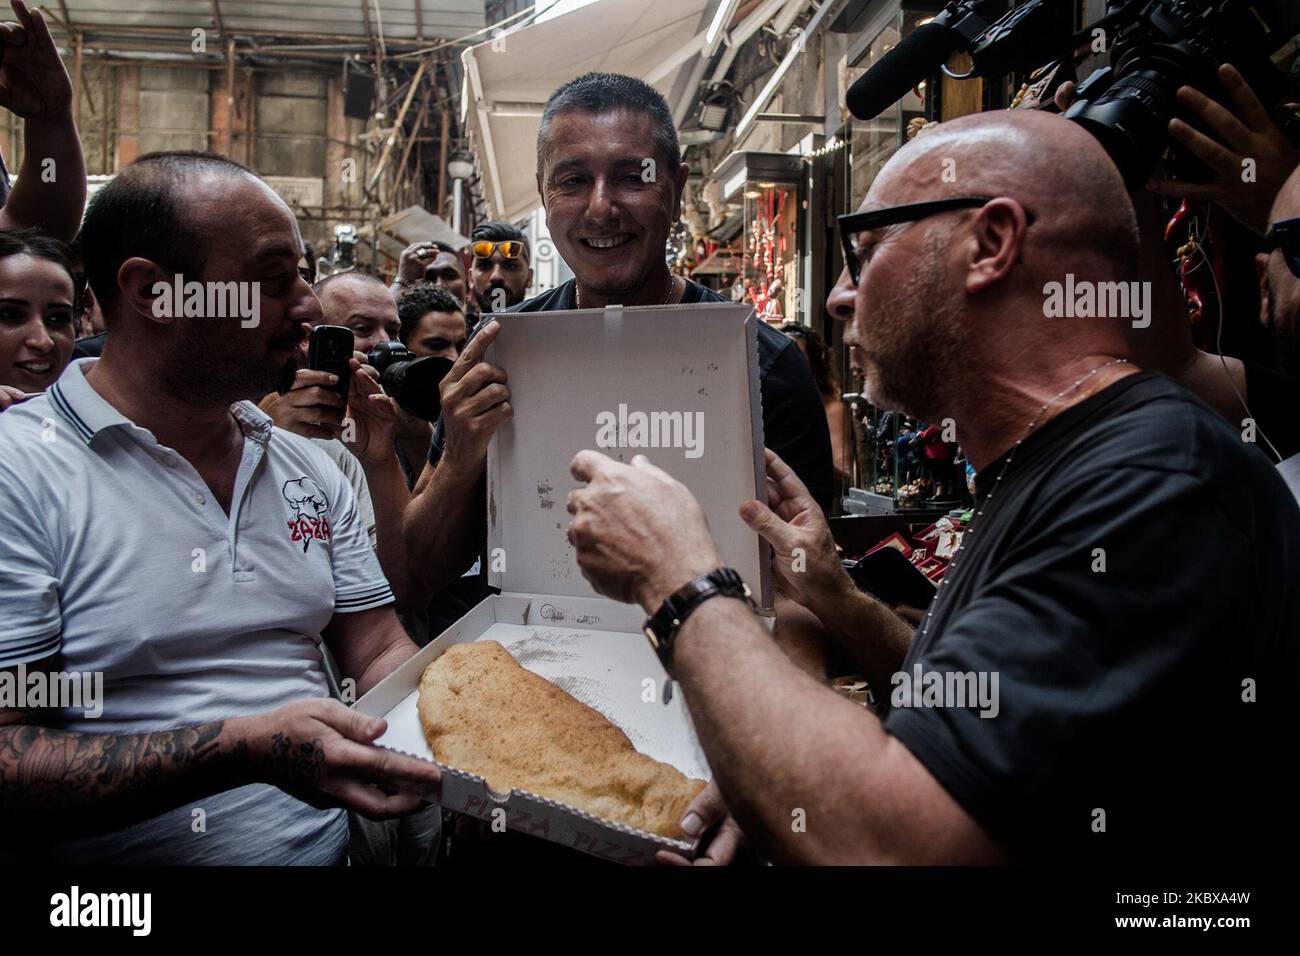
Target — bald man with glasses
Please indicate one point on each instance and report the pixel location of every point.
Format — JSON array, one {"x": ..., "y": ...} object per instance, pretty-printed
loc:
[{"x": 1083, "y": 687}]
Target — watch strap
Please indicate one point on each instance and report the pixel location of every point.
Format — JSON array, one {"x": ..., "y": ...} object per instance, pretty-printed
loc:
[{"x": 661, "y": 627}]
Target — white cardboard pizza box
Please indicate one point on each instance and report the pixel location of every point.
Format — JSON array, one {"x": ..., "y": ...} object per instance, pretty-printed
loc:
[{"x": 570, "y": 374}]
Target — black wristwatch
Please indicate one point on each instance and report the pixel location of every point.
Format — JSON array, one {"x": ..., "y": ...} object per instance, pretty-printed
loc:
[{"x": 662, "y": 626}]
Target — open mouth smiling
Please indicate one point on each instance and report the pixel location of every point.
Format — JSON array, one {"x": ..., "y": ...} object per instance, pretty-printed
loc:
[{"x": 607, "y": 242}]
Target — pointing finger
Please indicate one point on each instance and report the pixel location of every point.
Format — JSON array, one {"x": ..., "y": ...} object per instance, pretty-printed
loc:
[{"x": 474, "y": 351}]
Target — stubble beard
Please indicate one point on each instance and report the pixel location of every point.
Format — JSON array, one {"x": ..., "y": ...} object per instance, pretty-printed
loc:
[
  {"x": 918, "y": 336},
  {"x": 200, "y": 372}
]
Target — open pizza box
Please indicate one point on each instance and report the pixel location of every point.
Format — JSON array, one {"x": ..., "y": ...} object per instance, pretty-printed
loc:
[{"x": 577, "y": 379}]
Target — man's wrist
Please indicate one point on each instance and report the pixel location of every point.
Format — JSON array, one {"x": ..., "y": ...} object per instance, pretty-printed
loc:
[
  {"x": 61, "y": 120},
  {"x": 379, "y": 451},
  {"x": 663, "y": 583},
  {"x": 831, "y": 602},
  {"x": 239, "y": 744},
  {"x": 453, "y": 469}
]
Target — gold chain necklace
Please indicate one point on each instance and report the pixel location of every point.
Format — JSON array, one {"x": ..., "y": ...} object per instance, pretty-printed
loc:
[{"x": 1006, "y": 463}]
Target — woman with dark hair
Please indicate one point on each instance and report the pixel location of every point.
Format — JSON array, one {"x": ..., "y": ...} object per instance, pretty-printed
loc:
[
  {"x": 828, "y": 387},
  {"x": 38, "y": 303}
]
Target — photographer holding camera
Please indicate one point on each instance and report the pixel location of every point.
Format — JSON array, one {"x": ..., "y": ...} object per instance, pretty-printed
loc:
[
  {"x": 1248, "y": 157},
  {"x": 433, "y": 325}
]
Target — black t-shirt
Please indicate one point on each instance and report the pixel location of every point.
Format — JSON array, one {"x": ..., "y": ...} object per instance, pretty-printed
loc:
[
  {"x": 1138, "y": 563},
  {"x": 1273, "y": 397},
  {"x": 794, "y": 422}
]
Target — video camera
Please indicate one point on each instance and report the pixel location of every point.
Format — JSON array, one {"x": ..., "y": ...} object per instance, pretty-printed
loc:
[{"x": 1155, "y": 46}]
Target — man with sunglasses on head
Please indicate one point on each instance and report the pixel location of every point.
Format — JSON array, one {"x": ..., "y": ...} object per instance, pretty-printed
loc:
[
  {"x": 1107, "y": 670},
  {"x": 501, "y": 272}
]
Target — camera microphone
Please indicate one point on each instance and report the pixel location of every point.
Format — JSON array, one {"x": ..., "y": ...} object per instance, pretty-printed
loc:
[
  {"x": 902, "y": 68},
  {"x": 918, "y": 54}
]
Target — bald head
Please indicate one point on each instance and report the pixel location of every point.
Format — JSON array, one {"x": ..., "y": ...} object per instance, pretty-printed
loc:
[
  {"x": 1055, "y": 169},
  {"x": 954, "y": 301},
  {"x": 362, "y": 303},
  {"x": 202, "y": 229},
  {"x": 341, "y": 280}
]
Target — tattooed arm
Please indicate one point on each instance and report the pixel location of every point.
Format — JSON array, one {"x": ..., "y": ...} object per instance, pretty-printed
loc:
[
  {"x": 85, "y": 783},
  {"x": 317, "y": 750}
]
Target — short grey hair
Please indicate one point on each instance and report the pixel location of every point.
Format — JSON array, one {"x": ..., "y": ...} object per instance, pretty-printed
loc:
[{"x": 604, "y": 92}]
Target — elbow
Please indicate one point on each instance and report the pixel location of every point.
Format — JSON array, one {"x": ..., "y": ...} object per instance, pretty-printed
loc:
[{"x": 408, "y": 595}]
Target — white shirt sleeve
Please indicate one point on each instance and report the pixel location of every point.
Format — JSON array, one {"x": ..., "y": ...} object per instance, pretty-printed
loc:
[
  {"x": 359, "y": 582},
  {"x": 30, "y": 620},
  {"x": 356, "y": 475}
]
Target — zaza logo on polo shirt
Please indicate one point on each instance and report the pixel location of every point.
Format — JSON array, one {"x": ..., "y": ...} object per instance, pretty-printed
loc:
[{"x": 310, "y": 517}]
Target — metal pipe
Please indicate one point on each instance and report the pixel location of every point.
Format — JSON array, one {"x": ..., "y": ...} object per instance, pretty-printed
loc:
[
  {"x": 737, "y": 37},
  {"x": 141, "y": 30},
  {"x": 104, "y": 131},
  {"x": 401, "y": 117},
  {"x": 785, "y": 19},
  {"x": 458, "y": 201},
  {"x": 793, "y": 119},
  {"x": 442, "y": 160}
]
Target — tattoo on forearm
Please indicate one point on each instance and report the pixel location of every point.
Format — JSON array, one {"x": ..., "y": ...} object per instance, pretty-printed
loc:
[{"x": 43, "y": 770}]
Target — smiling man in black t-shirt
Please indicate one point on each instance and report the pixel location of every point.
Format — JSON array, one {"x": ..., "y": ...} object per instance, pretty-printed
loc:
[
  {"x": 610, "y": 174},
  {"x": 1109, "y": 668},
  {"x": 611, "y": 178}
]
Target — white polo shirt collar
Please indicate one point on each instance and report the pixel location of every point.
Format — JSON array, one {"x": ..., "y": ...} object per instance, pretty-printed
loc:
[{"x": 88, "y": 413}]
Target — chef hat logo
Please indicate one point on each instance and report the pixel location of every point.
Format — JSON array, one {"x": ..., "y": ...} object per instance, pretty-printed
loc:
[{"x": 306, "y": 498}]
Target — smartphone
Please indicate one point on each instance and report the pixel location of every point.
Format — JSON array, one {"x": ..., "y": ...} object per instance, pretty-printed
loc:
[
  {"x": 886, "y": 574},
  {"x": 330, "y": 350}
]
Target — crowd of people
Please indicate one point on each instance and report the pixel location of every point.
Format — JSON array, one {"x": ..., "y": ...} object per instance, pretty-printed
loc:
[{"x": 1129, "y": 577}]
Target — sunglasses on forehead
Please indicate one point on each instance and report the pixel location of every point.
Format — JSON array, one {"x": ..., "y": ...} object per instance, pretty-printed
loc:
[
  {"x": 1285, "y": 235},
  {"x": 510, "y": 249}
]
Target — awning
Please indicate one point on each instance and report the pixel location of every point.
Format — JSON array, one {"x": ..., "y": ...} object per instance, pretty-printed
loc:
[
  {"x": 169, "y": 22},
  {"x": 511, "y": 76}
]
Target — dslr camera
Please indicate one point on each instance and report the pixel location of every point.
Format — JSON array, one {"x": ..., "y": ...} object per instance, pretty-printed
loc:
[
  {"x": 1155, "y": 47},
  {"x": 411, "y": 382}
]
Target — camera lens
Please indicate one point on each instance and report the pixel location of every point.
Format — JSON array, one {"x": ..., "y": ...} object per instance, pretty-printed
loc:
[
  {"x": 413, "y": 384},
  {"x": 1130, "y": 119}
]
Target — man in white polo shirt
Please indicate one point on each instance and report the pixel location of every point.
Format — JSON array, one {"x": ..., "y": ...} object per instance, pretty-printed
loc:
[{"x": 155, "y": 528}]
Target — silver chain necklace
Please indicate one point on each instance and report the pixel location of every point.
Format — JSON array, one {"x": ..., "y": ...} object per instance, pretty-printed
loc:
[
  {"x": 672, "y": 287},
  {"x": 1006, "y": 463}
]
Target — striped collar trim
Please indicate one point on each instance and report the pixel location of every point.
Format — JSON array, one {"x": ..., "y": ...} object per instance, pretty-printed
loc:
[
  {"x": 83, "y": 408},
  {"x": 89, "y": 414}
]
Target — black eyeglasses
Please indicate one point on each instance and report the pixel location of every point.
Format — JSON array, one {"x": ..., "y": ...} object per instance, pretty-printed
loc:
[
  {"x": 1285, "y": 235},
  {"x": 856, "y": 223}
]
